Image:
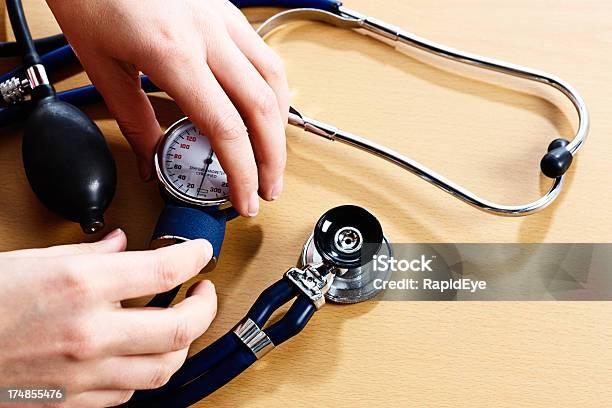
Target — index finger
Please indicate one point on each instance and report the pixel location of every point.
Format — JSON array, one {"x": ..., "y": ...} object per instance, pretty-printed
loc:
[{"x": 129, "y": 275}]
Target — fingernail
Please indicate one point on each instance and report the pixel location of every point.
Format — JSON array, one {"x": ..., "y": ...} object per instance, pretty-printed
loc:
[
  {"x": 197, "y": 285},
  {"x": 145, "y": 170},
  {"x": 207, "y": 245},
  {"x": 112, "y": 234},
  {"x": 253, "y": 204},
  {"x": 277, "y": 189},
  {"x": 208, "y": 251}
]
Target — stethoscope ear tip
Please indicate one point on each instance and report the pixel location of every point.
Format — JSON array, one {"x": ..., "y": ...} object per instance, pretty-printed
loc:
[{"x": 558, "y": 160}]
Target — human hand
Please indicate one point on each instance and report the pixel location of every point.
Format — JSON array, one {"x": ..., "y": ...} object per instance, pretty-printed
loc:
[
  {"x": 62, "y": 324},
  {"x": 208, "y": 58}
]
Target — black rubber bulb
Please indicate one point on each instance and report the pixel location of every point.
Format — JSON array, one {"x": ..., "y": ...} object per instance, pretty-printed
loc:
[
  {"x": 348, "y": 236},
  {"x": 68, "y": 163},
  {"x": 558, "y": 159}
]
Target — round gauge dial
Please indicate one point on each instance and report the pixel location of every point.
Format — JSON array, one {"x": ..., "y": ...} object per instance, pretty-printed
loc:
[{"x": 188, "y": 167}]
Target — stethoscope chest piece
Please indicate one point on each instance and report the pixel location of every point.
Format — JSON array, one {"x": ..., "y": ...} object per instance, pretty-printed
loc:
[{"x": 348, "y": 236}]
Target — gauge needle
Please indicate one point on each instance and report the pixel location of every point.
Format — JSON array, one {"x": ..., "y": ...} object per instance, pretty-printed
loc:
[{"x": 207, "y": 165}]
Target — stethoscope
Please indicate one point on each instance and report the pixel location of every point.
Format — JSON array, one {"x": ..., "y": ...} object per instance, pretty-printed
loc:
[
  {"x": 335, "y": 259},
  {"x": 554, "y": 164}
]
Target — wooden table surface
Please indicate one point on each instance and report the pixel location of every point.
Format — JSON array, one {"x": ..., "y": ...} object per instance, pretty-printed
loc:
[{"x": 485, "y": 131}]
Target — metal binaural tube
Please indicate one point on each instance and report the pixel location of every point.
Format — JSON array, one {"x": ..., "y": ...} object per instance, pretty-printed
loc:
[
  {"x": 396, "y": 34},
  {"x": 350, "y": 19},
  {"x": 416, "y": 168}
]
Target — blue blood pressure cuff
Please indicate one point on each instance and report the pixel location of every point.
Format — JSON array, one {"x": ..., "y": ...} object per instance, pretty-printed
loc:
[{"x": 185, "y": 222}]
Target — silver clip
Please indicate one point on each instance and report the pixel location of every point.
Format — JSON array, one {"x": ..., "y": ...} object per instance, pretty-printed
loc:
[
  {"x": 254, "y": 338},
  {"x": 312, "y": 282}
]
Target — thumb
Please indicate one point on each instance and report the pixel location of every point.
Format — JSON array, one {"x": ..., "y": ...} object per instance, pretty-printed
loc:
[
  {"x": 119, "y": 84},
  {"x": 115, "y": 241}
]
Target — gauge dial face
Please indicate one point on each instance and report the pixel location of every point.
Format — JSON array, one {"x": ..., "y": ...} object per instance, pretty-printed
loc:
[{"x": 188, "y": 167}]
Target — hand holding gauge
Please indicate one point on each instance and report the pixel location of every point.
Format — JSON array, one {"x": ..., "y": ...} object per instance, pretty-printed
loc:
[{"x": 206, "y": 56}]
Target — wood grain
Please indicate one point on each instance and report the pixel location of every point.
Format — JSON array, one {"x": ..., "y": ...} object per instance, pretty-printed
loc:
[{"x": 485, "y": 131}]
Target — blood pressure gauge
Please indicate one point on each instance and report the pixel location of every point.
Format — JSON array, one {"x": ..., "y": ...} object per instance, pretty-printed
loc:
[
  {"x": 194, "y": 187},
  {"x": 188, "y": 168}
]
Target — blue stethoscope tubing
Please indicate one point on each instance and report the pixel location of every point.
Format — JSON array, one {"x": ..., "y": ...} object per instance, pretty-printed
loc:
[{"x": 227, "y": 357}]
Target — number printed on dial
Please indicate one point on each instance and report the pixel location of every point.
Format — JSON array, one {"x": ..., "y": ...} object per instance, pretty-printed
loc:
[{"x": 190, "y": 166}]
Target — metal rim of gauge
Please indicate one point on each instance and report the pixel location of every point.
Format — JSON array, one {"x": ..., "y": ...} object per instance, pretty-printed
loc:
[{"x": 166, "y": 183}]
